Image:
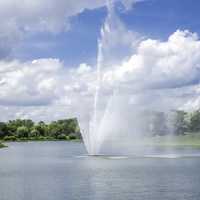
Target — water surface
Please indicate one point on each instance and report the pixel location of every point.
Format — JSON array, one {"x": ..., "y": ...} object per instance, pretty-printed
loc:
[{"x": 63, "y": 171}]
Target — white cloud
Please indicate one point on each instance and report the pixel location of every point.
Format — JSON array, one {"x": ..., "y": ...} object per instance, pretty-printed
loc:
[
  {"x": 19, "y": 18},
  {"x": 44, "y": 89},
  {"x": 45, "y": 15},
  {"x": 157, "y": 64},
  {"x": 160, "y": 72}
]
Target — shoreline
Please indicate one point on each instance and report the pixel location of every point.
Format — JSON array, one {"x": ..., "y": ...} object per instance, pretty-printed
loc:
[
  {"x": 156, "y": 145},
  {"x": 183, "y": 141},
  {"x": 2, "y": 145},
  {"x": 39, "y": 140},
  {"x": 2, "y": 142}
]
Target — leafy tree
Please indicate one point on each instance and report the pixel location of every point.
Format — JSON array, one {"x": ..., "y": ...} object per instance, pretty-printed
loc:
[
  {"x": 62, "y": 137},
  {"x": 54, "y": 129},
  {"x": 10, "y": 138},
  {"x": 41, "y": 128},
  {"x": 3, "y": 129},
  {"x": 179, "y": 123},
  {"x": 28, "y": 123},
  {"x": 22, "y": 131},
  {"x": 195, "y": 121},
  {"x": 34, "y": 133},
  {"x": 25, "y": 128},
  {"x": 72, "y": 137}
]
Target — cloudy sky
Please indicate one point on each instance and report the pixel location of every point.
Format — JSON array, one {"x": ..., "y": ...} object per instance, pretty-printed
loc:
[{"x": 49, "y": 50}]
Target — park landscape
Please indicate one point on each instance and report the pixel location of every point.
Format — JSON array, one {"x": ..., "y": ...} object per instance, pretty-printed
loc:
[
  {"x": 186, "y": 130},
  {"x": 99, "y": 100}
]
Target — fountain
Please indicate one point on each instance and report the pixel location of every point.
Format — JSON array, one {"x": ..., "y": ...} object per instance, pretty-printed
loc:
[
  {"x": 94, "y": 138},
  {"x": 121, "y": 123}
]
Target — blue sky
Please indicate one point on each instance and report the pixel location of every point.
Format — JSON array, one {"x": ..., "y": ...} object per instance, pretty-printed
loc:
[{"x": 155, "y": 19}]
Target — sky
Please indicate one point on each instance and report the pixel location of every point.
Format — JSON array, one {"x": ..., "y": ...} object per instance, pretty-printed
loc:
[{"x": 49, "y": 51}]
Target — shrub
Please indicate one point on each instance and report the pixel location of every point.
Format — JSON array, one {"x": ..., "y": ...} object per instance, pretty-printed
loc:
[
  {"x": 72, "y": 137},
  {"x": 41, "y": 138},
  {"x": 23, "y": 139},
  {"x": 2, "y": 145},
  {"x": 22, "y": 132},
  {"x": 10, "y": 138},
  {"x": 34, "y": 133},
  {"x": 62, "y": 137}
]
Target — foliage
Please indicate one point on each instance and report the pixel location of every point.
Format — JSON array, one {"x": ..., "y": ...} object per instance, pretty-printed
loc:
[
  {"x": 2, "y": 145},
  {"x": 72, "y": 137},
  {"x": 156, "y": 123},
  {"x": 3, "y": 129},
  {"x": 34, "y": 133},
  {"x": 180, "y": 123},
  {"x": 62, "y": 137},
  {"x": 10, "y": 138},
  {"x": 28, "y": 130},
  {"x": 22, "y": 132},
  {"x": 176, "y": 122},
  {"x": 195, "y": 121}
]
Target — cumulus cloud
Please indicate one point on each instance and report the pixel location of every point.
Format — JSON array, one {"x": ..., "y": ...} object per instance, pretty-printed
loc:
[
  {"x": 44, "y": 86},
  {"x": 160, "y": 72},
  {"x": 29, "y": 83},
  {"x": 161, "y": 64},
  {"x": 18, "y": 18},
  {"x": 46, "y": 15}
]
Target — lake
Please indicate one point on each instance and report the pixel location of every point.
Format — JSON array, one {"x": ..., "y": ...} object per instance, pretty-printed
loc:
[{"x": 62, "y": 171}]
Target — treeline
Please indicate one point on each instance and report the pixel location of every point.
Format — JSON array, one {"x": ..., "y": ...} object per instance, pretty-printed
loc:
[
  {"x": 153, "y": 123},
  {"x": 19, "y": 130},
  {"x": 175, "y": 122},
  {"x": 149, "y": 123}
]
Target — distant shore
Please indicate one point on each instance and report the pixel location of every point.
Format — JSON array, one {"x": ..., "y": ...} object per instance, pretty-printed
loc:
[
  {"x": 2, "y": 145},
  {"x": 39, "y": 139},
  {"x": 187, "y": 140},
  {"x": 7, "y": 140}
]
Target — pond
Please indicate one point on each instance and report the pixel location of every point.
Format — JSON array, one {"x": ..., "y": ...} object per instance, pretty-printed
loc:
[{"x": 63, "y": 171}]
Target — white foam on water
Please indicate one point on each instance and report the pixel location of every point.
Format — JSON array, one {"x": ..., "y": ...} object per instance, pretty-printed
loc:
[
  {"x": 83, "y": 156},
  {"x": 117, "y": 157},
  {"x": 173, "y": 156}
]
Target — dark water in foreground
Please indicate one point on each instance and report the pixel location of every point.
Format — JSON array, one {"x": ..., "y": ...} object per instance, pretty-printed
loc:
[{"x": 60, "y": 171}]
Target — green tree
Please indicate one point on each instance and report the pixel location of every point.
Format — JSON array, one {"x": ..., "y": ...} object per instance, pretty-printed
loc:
[
  {"x": 13, "y": 125},
  {"x": 55, "y": 129},
  {"x": 3, "y": 129},
  {"x": 22, "y": 131},
  {"x": 195, "y": 121},
  {"x": 34, "y": 133},
  {"x": 179, "y": 123},
  {"x": 41, "y": 128}
]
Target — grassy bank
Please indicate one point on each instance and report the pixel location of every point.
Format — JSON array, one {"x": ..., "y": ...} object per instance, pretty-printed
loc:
[
  {"x": 35, "y": 139},
  {"x": 41, "y": 138},
  {"x": 187, "y": 140}
]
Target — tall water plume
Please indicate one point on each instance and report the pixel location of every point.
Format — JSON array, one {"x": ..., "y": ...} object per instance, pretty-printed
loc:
[
  {"x": 92, "y": 139},
  {"x": 122, "y": 119}
]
